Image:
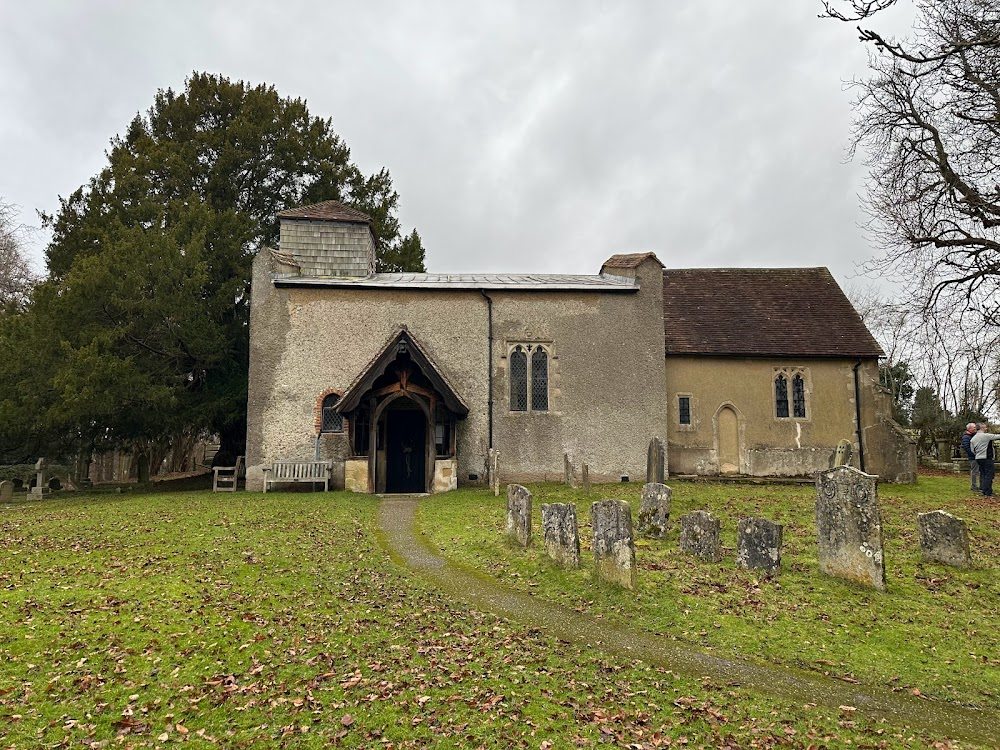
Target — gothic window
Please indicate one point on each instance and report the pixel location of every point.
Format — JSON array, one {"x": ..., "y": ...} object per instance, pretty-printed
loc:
[
  {"x": 684, "y": 409},
  {"x": 781, "y": 395},
  {"x": 539, "y": 380},
  {"x": 331, "y": 420},
  {"x": 518, "y": 380},
  {"x": 798, "y": 396}
]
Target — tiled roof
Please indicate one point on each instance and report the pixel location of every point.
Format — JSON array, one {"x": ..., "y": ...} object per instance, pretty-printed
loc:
[
  {"x": 327, "y": 211},
  {"x": 628, "y": 260},
  {"x": 518, "y": 282},
  {"x": 762, "y": 312}
]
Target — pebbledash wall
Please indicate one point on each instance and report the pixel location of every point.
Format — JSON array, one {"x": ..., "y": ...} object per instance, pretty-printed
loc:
[{"x": 606, "y": 387}]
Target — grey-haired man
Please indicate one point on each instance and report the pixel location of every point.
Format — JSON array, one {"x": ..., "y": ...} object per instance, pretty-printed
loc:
[
  {"x": 982, "y": 446},
  {"x": 970, "y": 431}
]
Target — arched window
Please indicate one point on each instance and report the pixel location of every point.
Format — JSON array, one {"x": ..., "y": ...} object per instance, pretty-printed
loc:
[
  {"x": 798, "y": 396},
  {"x": 539, "y": 380},
  {"x": 781, "y": 395},
  {"x": 331, "y": 420},
  {"x": 518, "y": 380}
]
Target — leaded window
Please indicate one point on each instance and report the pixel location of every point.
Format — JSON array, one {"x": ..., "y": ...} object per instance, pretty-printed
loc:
[
  {"x": 798, "y": 396},
  {"x": 539, "y": 380},
  {"x": 331, "y": 420},
  {"x": 684, "y": 409},
  {"x": 781, "y": 395},
  {"x": 518, "y": 380},
  {"x": 361, "y": 422}
]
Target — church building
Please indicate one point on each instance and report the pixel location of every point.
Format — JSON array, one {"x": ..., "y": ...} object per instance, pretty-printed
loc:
[{"x": 408, "y": 382}]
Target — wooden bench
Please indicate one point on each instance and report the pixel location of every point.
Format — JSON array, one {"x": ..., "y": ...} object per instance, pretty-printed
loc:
[
  {"x": 226, "y": 478},
  {"x": 284, "y": 472}
]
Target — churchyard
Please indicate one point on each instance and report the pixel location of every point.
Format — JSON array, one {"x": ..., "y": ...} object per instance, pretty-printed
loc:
[{"x": 238, "y": 620}]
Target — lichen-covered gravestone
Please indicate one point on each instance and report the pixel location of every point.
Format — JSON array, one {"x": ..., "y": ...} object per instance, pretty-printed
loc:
[
  {"x": 614, "y": 546},
  {"x": 842, "y": 456},
  {"x": 655, "y": 461},
  {"x": 758, "y": 545},
  {"x": 519, "y": 514},
  {"x": 654, "y": 510},
  {"x": 849, "y": 526},
  {"x": 561, "y": 534},
  {"x": 700, "y": 532},
  {"x": 569, "y": 473},
  {"x": 6, "y": 491},
  {"x": 944, "y": 539}
]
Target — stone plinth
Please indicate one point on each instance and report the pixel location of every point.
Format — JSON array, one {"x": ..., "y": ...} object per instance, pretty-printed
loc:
[
  {"x": 356, "y": 475},
  {"x": 849, "y": 526},
  {"x": 519, "y": 514},
  {"x": 700, "y": 535},
  {"x": 445, "y": 475},
  {"x": 758, "y": 545},
  {"x": 944, "y": 539},
  {"x": 654, "y": 510},
  {"x": 614, "y": 546},
  {"x": 561, "y": 534}
]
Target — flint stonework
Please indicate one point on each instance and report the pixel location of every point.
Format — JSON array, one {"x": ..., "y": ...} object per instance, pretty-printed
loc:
[
  {"x": 654, "y": 510},
  {"x": 6, "y": 492},
  {"x": 655, "y": 461},
  {"x": 758, "y": 545},
  {"x": 944, "y": 539},
  {"x": 519, "y": 514},
  {"x": 561, "y": 534},
  {"x": 849, "y": 526},
  {"x": 614, "y": 546},
  {"x": 700, "y": 532}
]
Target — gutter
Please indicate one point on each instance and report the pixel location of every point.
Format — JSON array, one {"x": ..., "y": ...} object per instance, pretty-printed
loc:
[
  {"x": 489, "y": 372},
  {"x": 857, "y": 414}
]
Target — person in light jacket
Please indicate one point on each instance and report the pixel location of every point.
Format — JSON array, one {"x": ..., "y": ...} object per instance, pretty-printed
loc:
[
  {"x": 982, "y": 446},
  {"x": 970, "y": 431}
]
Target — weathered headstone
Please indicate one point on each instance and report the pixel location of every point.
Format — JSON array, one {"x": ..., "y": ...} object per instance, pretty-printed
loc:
[
  {"x": 849, "y": 526},
  {"x": 758, "y": 545},
  {"x": 654, "y": 510},
  {"x": 944, "y": 539},
  {"x": 18, "y": 483},
  {"x": 142, "y": 468},
  {"x": 614, "y": 546},
  {"x": 561, "y": 534},
  {"x": 700, "y": 535},
  {"x": 495, "y": 471},
  {"x": 6, "y": 491},
  {"x": 569, "y": 473},
  {"x": 55, "y": 483},
  {"x": 842, "y": 456},
  {"x": 39, "y": 487},
  {"x": 519, "y": 514},
  {"x": 655, "y": 461},
  {"x": 586, "y": 478}
]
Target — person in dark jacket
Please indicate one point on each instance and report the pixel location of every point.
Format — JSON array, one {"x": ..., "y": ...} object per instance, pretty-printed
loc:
[{"x": 970, "y": 430}]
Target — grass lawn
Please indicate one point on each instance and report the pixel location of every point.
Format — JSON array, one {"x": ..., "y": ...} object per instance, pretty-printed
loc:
[{"x": 244, "y": 620}]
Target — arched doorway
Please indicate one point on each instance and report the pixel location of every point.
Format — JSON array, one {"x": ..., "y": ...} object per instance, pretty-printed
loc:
[
  {"x": 405, "y": 429},
  {"x": 728, "y": 435}
]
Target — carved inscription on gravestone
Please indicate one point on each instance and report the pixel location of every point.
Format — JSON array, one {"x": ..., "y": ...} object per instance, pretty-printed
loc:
[
  {"x": 700, "y": 532},
  {"x": 614, "y": 546},
  {"x": 655, "y": 461},
  {"x": 561, "y": 534},
  {"x": 519, "y": 514},
  {"x": 849, "y": 526},
  {"x": 758, "y": 545},
  {"x": 654, "y": 510},
  {"x": 944, "y": 539}
]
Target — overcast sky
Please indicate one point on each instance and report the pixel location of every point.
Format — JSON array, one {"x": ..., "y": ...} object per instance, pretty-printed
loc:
[{"x": 521, "y": 136}]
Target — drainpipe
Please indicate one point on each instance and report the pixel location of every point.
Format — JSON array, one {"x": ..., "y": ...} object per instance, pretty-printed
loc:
[
  {"x": 857, "y": 413},
  {"x": 489, "y": 373}
]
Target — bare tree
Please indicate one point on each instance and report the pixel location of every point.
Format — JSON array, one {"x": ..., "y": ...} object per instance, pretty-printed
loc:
[
  {"x": 16, "y": 276},
  {"x": 854, "y": 10}
]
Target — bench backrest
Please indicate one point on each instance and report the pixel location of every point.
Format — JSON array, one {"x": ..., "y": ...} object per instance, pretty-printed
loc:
[{"x": 301, "y": 470}]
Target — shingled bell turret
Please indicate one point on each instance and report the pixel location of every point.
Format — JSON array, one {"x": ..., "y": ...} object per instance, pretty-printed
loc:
[{"x": 327, "y": 239}]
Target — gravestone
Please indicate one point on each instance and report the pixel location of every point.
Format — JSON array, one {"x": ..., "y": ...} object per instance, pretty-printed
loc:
[
  {"x": 569, "y": 473},
  {"x": 495, "y": 471},
  {"x": 39, "y": 487},
  {"x": 758, "y": 545},
  {"x": 142, "y": 468},
  {"x": 700, "y": 535},
  {"x": 55, "y": 483},
  {"x": 561, "y": 534},
  {"x": 849, "y": 526},
  {"x": 655, "y": 461},
  {"x": 842, "y": 456},
  {"x": 944, "y": 539},
  {"x": 519, "y": 514},
  {"x": 654, "y": 510},
  {"x": 614, "y": 546},
  {"x": 18, "y": 483},
  {"x": 6, "y": 491},
  {"x": 586, "y": 478}
]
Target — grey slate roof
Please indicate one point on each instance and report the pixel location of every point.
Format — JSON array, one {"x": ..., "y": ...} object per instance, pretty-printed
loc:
[{"x": 474, "y": 281}]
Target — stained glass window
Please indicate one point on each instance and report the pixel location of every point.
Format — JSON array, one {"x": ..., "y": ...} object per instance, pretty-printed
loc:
[
  {"x": 332, "y": 421},
  {"x": 539, "y": 380},
  {"x": 684, "y": 409},
  {"x": 798, "y": 397},
  {"x": 781, "y": 395},
  {"x": 518, "y": 380}
]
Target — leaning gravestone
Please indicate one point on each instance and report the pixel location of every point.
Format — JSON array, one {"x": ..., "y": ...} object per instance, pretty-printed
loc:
[
  {"x": 654, "y": 510},
  {"x": 700, "y": 533},
  {"x": 842, "y": 456},
  {"x": 614, "y": 546},
  {"x": 654, "y": 461},
  {"x": 849, "y": 526},
  {"x": 758, "y": 545},
  {"x": 944, "y": 539},
  {"x": 6, "y": 491},
  {"x": 519, "y": 514},
  {"x": 561, "y": 534}
]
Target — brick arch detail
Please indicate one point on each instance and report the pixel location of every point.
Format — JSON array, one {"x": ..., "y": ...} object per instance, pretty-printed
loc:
[{"x": 318, "y": 410}]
